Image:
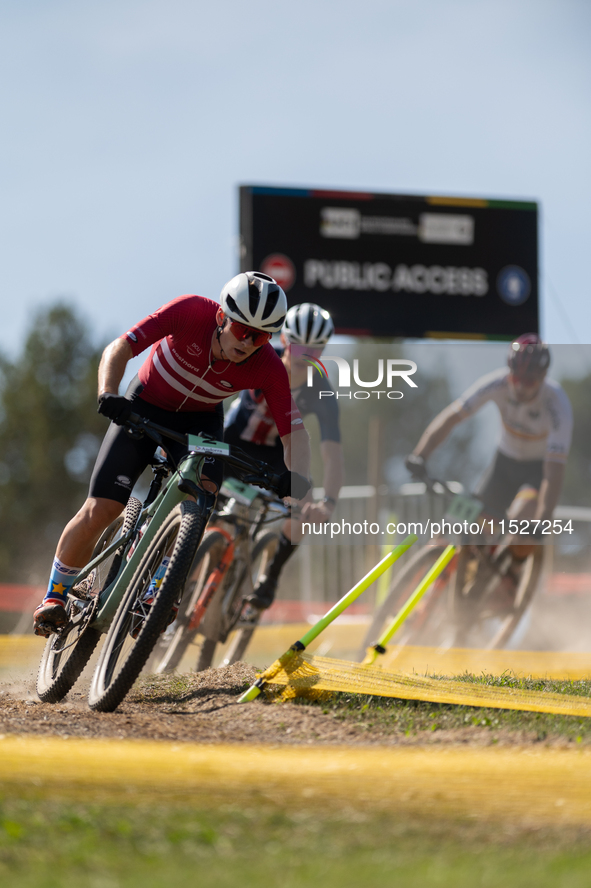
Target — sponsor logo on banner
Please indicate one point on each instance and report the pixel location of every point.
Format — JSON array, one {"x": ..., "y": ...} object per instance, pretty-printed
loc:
[
  {"x": 281, "y": 269},
  {"x": 433, "y": 228},
  {"x": 445, "y": 228},
  {"x": 340, "y": 222},
  {"x": 513, "y": 285}
]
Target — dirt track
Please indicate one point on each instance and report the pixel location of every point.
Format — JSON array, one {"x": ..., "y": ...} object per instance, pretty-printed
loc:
[{"x": 203, "y": 708}]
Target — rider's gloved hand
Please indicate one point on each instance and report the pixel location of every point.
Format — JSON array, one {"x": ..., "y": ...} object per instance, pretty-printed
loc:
[
  {"x": 416, "y": 466},
  {"x": 292, "y": 484},
  {"x": 115, "y": 407}
]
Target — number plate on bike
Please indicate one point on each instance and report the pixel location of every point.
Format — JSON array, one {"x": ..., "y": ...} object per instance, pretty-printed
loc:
[
  {"x": 242, "y": 493},
  {"x": 202, "y": 445},
  {"x": 464, "y": 508}
]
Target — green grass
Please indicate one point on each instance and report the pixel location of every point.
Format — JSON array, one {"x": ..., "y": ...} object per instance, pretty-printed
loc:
[
  {"x": 413, "y": 717},
  {"x": 58, "y": 843}
]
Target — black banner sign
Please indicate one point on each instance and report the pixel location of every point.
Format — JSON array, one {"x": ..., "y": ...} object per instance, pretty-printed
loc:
[{"x": 397, "y": 265}]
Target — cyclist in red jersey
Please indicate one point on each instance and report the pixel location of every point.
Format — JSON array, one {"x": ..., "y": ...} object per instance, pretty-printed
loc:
[{"x": 201, "y": 353}]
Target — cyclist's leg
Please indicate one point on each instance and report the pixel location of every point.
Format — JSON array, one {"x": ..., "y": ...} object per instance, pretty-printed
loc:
[
  {"x": 120, "y": 462},
  {"x": 263, "y": 594},
  {"x": 497, "y": 487},
  {"x": 524, "y": 506},
  {"x": 510, "y": 489}
]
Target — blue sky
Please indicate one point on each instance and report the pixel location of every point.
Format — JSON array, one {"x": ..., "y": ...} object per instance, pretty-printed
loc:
[{"x": 128, "y": 125}]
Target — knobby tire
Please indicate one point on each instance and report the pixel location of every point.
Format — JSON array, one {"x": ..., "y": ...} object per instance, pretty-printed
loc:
[
  {"x": 469, "y": 609},
  {"x": 118, "y": 667},
  {"x": 57, "y": 676}
]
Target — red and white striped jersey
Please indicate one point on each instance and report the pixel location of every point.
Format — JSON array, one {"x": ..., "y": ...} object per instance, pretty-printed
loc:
[{"x": 178, "y": 374}]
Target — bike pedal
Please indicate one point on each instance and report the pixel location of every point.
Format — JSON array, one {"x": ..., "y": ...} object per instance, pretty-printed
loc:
[{"x": 47, "y": 629}]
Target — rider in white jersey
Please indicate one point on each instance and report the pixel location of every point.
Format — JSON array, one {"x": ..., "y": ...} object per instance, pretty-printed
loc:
[
  {"x": 537, "y": 429},
  {"x": 526, "y": 476}
]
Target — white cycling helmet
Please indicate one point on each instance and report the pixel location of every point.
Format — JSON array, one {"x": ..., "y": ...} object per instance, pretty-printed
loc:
[
  {"x": 255, "y": 299},
  {"x": 308, "y": 324}
]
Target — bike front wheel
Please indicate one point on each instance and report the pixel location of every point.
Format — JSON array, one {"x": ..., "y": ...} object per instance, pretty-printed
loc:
[
  {"x": 65, "y": 655},
  {"x": 146, "y": 607},
  {"x": 488, "y": 606},
  {"x": 176, "y": 640}
]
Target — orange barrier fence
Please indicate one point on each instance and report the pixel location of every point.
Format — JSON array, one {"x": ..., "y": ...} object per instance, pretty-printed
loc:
[{"x": 17, "y": 598}]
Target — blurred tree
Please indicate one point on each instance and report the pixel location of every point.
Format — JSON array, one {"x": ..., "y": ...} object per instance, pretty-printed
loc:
[{"x": 50, "y": 433}]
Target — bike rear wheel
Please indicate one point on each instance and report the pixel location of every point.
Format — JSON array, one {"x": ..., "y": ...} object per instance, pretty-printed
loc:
[
  {"x": 262, "y": 554},
  {"x": 66, "y": 655},
  {"x": 177, "y": 639},
  {"x": 137, "y": 625},
  {"x": 429, "y": 613}
]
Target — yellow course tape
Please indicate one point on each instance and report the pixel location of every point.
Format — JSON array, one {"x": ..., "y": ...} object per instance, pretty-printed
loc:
[
  {"x": 314, "y": 676},
  {"x": 533, "y": 786},
  {"x": 457, "y": 661}
]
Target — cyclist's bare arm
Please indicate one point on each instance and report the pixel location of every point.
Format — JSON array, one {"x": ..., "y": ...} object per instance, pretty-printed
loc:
[
  {"x": 114, "y": 360},
  {"x": 332, "y": 460},
  {"x": 332, "y": 463},
  {"x": 81, "y": 533},
  {"x": 296, "y": 452},
  {"x": 438, "y": 430}
]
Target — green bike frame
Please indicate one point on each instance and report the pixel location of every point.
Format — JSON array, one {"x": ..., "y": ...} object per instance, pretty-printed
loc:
[{"x": 185, "y": 480}]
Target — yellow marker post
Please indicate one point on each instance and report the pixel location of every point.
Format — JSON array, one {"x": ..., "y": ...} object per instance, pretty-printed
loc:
[
  {"x": 253, "y": 692},
  {"x": 375, "y": 650},
  {"x": 383, "y": 585}
]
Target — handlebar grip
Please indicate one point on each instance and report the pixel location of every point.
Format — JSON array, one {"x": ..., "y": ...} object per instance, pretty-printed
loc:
[{"x": 292, "y": 484}]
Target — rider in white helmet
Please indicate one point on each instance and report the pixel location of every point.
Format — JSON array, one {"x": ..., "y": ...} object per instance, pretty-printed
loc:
[
  {"x": 306, "y": 331},
  {"x": 256, "y": 300},
  {"x": 201, "y": 353},
  {"x": 308, "y": 324}
]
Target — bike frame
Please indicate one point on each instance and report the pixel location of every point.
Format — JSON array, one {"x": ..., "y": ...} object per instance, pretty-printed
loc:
[
  {"x": 185, "y": 480},
  {"x": 214, "y": 579},
  {"x": 234, "y": 542},
  {"x": 170, "y": 496}
]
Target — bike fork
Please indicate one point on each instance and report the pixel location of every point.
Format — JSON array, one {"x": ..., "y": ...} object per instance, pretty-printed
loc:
[{"x": 213, "y": 581}]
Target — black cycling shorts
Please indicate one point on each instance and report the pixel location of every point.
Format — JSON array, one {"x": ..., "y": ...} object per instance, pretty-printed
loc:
[
  {"x": 503, "y": 479},
  {"x": 122, "y": 459}
]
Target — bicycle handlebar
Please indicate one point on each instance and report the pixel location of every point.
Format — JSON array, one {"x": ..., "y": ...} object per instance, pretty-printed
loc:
[
  {"x": 431, "y": 486},
  {"x": 256, "y": 471}
]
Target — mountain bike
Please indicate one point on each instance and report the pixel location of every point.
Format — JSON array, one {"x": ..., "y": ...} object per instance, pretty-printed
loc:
[
  {"x": 125, "y": 590},
  {"x": 478, "y": 600},
  {"x": 235, "y": 551}
]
